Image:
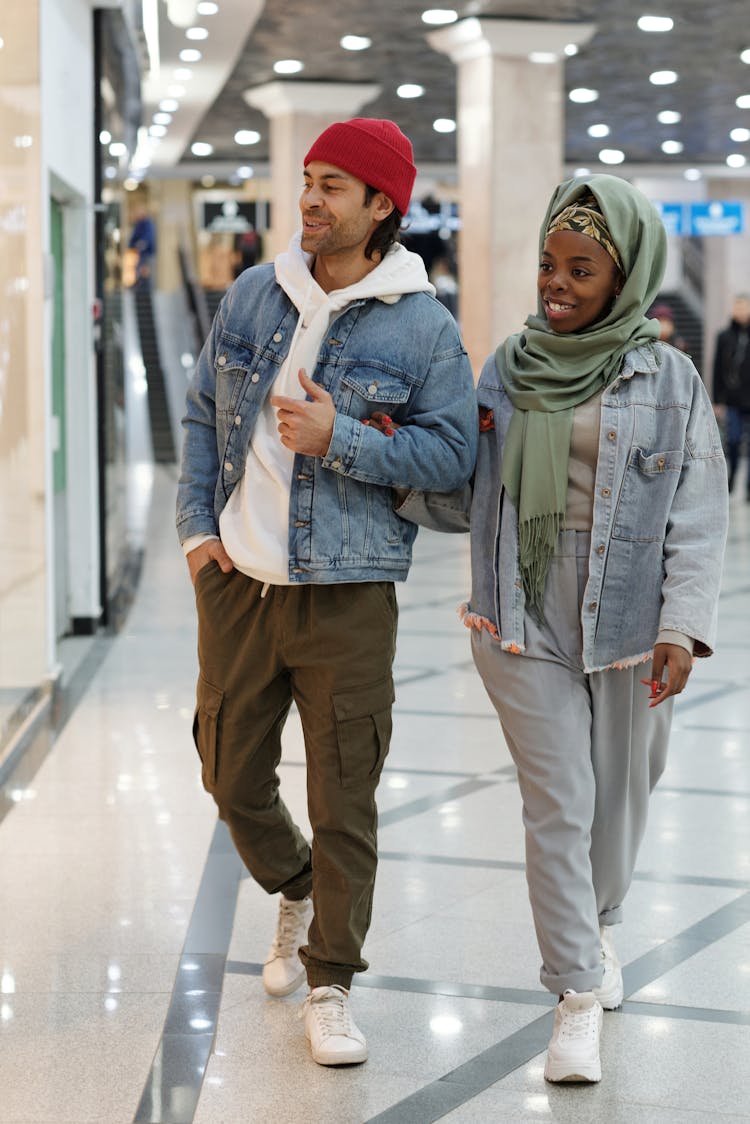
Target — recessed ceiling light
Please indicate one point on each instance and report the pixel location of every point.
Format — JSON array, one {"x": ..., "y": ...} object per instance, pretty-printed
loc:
[
  {"x": 157, "y": 130},
  {"x": 734, "y": 160},
  {"x": 655, "y": 23},
  {"x": 196, "y": 33},
  {"x": 247, "y": 136},
  {"x": 611, "y": 156},
  {"x": 740, "y": 135},
  {"x": 745, "y": 56},
  {"x": 410, "y": 90},
  {"x": 104, "y": 137},
  {"x": 190, "y": 55},
  {"x": 582, "y": 94},
  {"x": 544, "y": 57},
  {"x": 672, "y": 147},
  {"x": 663, "y": 77},
  {"x": 201, "y": 148},
  {"x": 582, "y": 172},
  {"x": 571, "y": 49},
  {"x": 692, "y": 174},
  {"x": 208, "y": 181},
  {"x": 245, "y": 172},
  {"x": 743, "y": 102},
  {"x": 444, "y": 125},
  {"x": 288, "y": 66},
  {"x": 355, "y": 42},
  {"x": 117, "y": 148},
  {"x": 438, "y": 16},
  {"x": 598, "y": 130},
  {"x": 207, "y": 8},
  {"x": 162, "y": 118},
  {"x": 169, "y": 105},
  {"x": 669, "y": 117}
]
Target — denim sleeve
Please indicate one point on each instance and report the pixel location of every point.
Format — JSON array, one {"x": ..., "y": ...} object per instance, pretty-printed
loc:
[
  {"x": 435, "y": 449},
  {"x": 439, "y": 511},
  {"x": 696, "y": 531},
  {"x": 199, "y": 469}
]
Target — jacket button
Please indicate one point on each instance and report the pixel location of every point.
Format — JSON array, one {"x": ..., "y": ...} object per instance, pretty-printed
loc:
[
  {"x": 227, "y": 466},
  {"x": 255, "y": 377},
  {"x": 221, "y": 360},
  {"x": 277, "y": 337},
  {"x": 372, "y": 388},
  {"x": 611, "y": 435},
  {"x": 600, "y": 548},
  {"x": 238, "y": 420},
  {"x": 335, "y": 464},
  {"x": 592, "y": 606},
  {"x": 606, "y": 491},
  {"x": 300, "y": 522}
]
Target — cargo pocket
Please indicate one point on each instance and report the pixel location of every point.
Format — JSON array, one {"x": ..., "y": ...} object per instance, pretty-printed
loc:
[
  {"x": 363, "y": 721},
  {"x": 205, "y": 730}
]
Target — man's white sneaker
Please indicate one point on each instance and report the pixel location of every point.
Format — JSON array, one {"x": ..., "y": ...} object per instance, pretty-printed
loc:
[
  {"x": 334, "y": 1038},
  {"x": 611, "y": 992},
  {"x": 283, "y": 971},
  {"x": 573, "y": 1051}
]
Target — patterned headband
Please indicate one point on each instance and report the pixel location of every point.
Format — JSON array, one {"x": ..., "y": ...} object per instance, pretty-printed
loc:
[{"x": 585, "y": 217}]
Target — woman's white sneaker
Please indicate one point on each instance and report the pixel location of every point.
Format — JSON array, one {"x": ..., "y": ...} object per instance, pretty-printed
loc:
[
  {"x": 283, "y": 971},
  {"x": 334, "y": 1038},
  {"x": 573, "y": 1051},
  {"x": 610, "y": 993}
]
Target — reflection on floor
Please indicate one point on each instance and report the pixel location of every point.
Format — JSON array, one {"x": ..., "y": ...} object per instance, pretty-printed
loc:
[{"x": 131, "y": 943}]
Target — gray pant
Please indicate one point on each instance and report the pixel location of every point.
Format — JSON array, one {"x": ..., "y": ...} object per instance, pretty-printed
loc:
[{"x": 588, "y": 752}]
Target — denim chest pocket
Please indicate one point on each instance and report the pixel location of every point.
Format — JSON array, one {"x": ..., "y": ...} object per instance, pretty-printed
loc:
[
  {"x": 363, "y": 390},
  {"x": 645, "y": 499},
  {"x": 235, "y": 374}
]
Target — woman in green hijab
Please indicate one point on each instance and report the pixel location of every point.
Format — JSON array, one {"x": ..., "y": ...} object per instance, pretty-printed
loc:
[{"x": 598, "y": 518}]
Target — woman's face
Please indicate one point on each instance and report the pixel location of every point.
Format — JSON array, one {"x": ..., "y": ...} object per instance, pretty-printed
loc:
[{"x": 578, "y": 281}]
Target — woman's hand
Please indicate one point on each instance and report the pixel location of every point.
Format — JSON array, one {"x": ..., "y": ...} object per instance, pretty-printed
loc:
[
  {"x": 381, "y": 422},
  {"x": 678, "y": 663}
]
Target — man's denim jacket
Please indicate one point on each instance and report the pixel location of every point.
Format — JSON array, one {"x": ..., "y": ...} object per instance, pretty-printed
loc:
[
  {"x": 405, "y": 359},
  {"x": 659, "y": 517}
]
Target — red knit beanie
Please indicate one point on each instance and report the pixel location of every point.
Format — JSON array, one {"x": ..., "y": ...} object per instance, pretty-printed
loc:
[{"x": 373, "y": 150}]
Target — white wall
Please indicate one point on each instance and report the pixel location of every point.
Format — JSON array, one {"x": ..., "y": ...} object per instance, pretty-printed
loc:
[{"x": 68, "y": 174}]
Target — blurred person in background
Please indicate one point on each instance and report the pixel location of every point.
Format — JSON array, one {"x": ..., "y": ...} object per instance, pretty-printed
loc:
[{"x": 731, "y": 387}]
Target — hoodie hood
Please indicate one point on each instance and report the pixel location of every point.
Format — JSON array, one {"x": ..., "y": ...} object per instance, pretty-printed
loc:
[{"x": 400, "y": 272}]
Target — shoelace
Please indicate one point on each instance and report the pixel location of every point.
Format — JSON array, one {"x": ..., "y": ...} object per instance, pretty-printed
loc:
[
  {"x": 579, "y": 1024},
  {"x": 331, "y": 1012},
  {"x": 284, "y": 942}
]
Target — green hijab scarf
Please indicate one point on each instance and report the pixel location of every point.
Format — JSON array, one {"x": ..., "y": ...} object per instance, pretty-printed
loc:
[{"x": 546, "y": 375}]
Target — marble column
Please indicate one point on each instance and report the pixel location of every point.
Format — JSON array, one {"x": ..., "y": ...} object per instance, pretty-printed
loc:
[
  {"x": 299, "y": 112},
  {"x": 510, "y": 117}
]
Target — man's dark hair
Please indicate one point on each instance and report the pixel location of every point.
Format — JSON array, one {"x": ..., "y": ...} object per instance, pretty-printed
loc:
[{"x": 386, "y": 232}]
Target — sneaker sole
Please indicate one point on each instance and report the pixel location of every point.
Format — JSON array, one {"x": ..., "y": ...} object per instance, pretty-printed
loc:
[
  {"x": 558, "y": 1074},
  {"x": 611, "y": 1001},
  {"x": 356, "y": 1057},
  {"x": 279, "y": 993}
]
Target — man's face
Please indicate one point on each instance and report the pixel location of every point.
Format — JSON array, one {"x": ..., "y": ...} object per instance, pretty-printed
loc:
[
  {"x": 741, "y": 310},
  {"x": 335, "y": 217}
]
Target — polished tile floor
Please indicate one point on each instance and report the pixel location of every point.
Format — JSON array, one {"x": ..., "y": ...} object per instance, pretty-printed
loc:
[{"x": 131, "y": 943}]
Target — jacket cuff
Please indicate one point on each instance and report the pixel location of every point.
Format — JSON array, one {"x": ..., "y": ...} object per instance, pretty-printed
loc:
[{"x": 670, "y": 636}]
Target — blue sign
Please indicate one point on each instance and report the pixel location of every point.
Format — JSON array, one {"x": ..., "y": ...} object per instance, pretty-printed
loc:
[
  {"x": 673, "y": 217},
  {"x": 717, "y": 217}
]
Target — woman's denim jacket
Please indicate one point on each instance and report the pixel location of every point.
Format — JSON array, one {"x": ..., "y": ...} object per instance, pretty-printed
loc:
[
  {"x": 659, "y": 516},
  {"x": 405, "y": 359}
]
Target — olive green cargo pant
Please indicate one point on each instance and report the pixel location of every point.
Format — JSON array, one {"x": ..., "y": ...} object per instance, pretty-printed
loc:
[{"x": 328, "y": 648}]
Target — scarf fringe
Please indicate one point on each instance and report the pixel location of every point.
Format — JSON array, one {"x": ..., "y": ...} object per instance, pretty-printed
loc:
[{"x": 537, "y": 538}]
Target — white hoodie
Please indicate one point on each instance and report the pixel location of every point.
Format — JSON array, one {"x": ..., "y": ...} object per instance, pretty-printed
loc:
[{"x": 254, "y": 525}]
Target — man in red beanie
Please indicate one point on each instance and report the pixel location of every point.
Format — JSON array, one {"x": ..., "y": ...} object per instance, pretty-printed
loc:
[{"x": 285, "y": 513}]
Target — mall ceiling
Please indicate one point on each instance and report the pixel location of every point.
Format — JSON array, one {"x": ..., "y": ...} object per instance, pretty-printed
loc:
[{"x": 703, "y": 49}]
